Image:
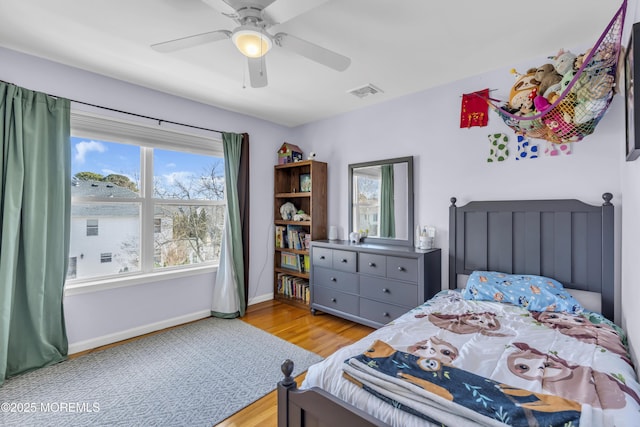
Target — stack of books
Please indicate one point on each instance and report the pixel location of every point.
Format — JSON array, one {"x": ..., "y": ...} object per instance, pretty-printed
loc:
[
  {"x": 293, "y": 287},
  {"x": 292, "y": 237}
]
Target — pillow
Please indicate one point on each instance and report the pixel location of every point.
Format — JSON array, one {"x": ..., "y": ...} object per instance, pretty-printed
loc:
[{"x": 535, "y": 293}]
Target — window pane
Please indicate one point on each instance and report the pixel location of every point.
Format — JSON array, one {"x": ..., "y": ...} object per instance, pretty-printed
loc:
[
  {"x": 104, "y": 169},
  {"x": 116, "y": 249},
  {"x": 189, "y": 234},
  {"x": 92, "y": 227},
  {"x": 187, "y": 176},
  {"x": 366, "y": 203}
]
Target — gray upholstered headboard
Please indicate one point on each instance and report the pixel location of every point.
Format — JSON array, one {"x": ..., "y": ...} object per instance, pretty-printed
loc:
[{"x": 567, "y": 240}]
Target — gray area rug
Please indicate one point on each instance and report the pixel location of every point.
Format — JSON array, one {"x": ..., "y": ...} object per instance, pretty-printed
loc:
[{"x": 195, "y": 375}]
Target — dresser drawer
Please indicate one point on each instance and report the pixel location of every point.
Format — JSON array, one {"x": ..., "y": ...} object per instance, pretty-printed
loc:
[
  {"x": 336, "y": 300},
  {"x": 373, "y": 264},
  {"x": 402, "y": 269},
  {"x": 321, "y": 257},
  {"x": 380, "y": 312},
  {"x": 339, "y": 280},
  {"x": 345, "y": 260},
  {"x": 389, "y": 291}
]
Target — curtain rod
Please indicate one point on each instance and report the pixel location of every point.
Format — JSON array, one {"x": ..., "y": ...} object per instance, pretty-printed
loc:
[{"x": 160, "y": 121}]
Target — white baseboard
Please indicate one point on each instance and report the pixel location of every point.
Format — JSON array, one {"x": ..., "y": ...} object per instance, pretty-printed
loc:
[
  {"x": 135, "y": 332},
  {"x": 260, "y": 298}
]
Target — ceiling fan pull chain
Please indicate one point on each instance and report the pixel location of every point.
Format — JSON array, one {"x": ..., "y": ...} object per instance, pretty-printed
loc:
[{"x": 244, "y": 77}]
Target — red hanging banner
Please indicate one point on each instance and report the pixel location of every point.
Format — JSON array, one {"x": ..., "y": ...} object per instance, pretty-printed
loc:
[{"x": 475, "y": 110}]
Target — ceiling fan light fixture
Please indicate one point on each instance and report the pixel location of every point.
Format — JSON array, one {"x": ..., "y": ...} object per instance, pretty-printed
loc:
[{"x": 251, "y": 42}]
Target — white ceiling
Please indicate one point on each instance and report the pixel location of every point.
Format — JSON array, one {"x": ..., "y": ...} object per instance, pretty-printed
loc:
[{"x": 400, "y": 46}]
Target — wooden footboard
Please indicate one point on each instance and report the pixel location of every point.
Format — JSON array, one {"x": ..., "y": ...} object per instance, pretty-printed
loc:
[{"x": 315, "y": 407}]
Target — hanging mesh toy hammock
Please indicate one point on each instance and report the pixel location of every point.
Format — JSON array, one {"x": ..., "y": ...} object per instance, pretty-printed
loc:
[{"x": 585, "y": 94}]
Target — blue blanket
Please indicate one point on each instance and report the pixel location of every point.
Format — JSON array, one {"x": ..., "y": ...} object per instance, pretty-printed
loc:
[{"x": 465, "y": 393}]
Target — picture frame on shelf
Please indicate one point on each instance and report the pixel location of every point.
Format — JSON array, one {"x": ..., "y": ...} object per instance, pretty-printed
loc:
[
  {"x": 632, "y": 106},
  {"x": 305, "y": 182}
]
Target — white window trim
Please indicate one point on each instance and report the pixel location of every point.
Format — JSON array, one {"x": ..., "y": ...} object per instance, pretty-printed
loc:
[
  {"x": 154, "y": 136},
  {"x": 122, "y": 280}
]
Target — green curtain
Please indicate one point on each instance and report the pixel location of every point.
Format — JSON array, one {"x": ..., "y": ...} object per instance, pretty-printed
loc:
[
  {"x": 35, "y": 167},
  {"x": 387, "y": 209},
  {"x": 229, "y": 290}
]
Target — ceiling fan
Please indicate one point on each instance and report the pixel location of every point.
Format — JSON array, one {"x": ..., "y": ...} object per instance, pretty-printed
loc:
[{"x": 254, "y": 18}]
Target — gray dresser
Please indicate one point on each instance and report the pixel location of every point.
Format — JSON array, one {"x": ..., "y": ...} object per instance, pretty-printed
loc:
[{"x": 369, "y": 283}]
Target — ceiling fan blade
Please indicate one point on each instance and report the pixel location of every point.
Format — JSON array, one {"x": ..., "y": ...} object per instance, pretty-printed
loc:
[
  {"x": 313, "y": 52},
  {"x": 281, "y": 11},
  {"x": 258, "y": 71},
  {"x": 191, "y": 41},
  {"x": 222, "y": 7}
]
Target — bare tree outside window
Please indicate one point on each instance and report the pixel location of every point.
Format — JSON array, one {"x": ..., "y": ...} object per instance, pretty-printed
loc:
[{"x": 186, "y": 200}]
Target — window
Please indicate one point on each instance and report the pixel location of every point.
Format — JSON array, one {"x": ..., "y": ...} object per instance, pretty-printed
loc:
[
  {"x": 92, "y": 227},
  {"x": 143, "y": 199},
  {"x": 366, "y": 203}
]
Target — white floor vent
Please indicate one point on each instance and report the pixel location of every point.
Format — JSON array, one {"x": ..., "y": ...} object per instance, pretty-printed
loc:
[{"x": 365, "y": 90}]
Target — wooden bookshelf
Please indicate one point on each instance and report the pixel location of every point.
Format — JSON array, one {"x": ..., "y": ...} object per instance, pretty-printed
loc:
[{"x": 288, "y": 188}]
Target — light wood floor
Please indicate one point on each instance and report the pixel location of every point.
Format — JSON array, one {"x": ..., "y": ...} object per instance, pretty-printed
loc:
[{"x": 322, "y": 334}]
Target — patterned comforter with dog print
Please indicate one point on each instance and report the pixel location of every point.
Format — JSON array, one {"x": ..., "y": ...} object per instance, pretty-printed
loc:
[{"x": 458, "y": 362}]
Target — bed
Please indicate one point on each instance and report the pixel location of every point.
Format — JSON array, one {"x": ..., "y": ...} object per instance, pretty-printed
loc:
[{"x": 510, "y": 341}]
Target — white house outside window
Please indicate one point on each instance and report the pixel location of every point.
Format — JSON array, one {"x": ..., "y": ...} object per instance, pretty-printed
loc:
[{"x": 144, "y": 199}]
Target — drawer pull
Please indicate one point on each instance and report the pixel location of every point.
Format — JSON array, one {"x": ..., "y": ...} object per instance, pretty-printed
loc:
[
  {"x": 401, "y": 269},
  {"x": 343, "y": 260},
  {"x": 372, "y": 264},
  {"x": 321, "y": 256},
  {"x": 333, "y": 279},
  {"x": 385, "y": 290},
  {"x": 333, "y": 300},
  {"x": 385, "y": 314}
]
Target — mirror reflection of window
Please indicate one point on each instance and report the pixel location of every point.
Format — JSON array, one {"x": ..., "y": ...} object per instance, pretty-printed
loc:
[
  {"x": 366, "y": 200},
  {"x": 381, "y": 200}
]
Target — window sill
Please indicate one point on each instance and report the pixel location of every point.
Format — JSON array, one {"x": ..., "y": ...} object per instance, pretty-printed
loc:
[{"x": 133, "y": 280}]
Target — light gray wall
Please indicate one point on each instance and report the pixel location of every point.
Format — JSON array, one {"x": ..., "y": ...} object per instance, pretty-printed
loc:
[
  {"x": 630, "y": 187},
  {"x": 449, "y": 161},
  {"x": 119, "y": 313}
]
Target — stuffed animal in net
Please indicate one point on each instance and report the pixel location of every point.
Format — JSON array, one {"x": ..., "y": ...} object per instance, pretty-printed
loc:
[
  {"x": 548, "y": 79},
  {"x": 566, "y": 110},
  {"x": 520, "y": 96},
  {"x": 564, "y": 61}
]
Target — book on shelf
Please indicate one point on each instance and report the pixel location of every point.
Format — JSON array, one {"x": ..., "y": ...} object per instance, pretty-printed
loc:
[
  {"x": 295, "y": 237},
  {"x": 290, "y": 261},
  {"x": 306, "y": 263},
  {"x": 281, "y": 240}
]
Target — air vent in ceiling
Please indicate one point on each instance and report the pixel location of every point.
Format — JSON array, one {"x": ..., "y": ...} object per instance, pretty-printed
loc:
[{"x": 365, "y": 90}]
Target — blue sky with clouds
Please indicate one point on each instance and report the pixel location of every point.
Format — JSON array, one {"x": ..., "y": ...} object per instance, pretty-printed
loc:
[{"x": 107, "y": 158}]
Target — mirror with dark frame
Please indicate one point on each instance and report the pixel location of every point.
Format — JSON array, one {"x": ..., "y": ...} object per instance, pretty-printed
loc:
[{"x": 381, "y": 200}]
